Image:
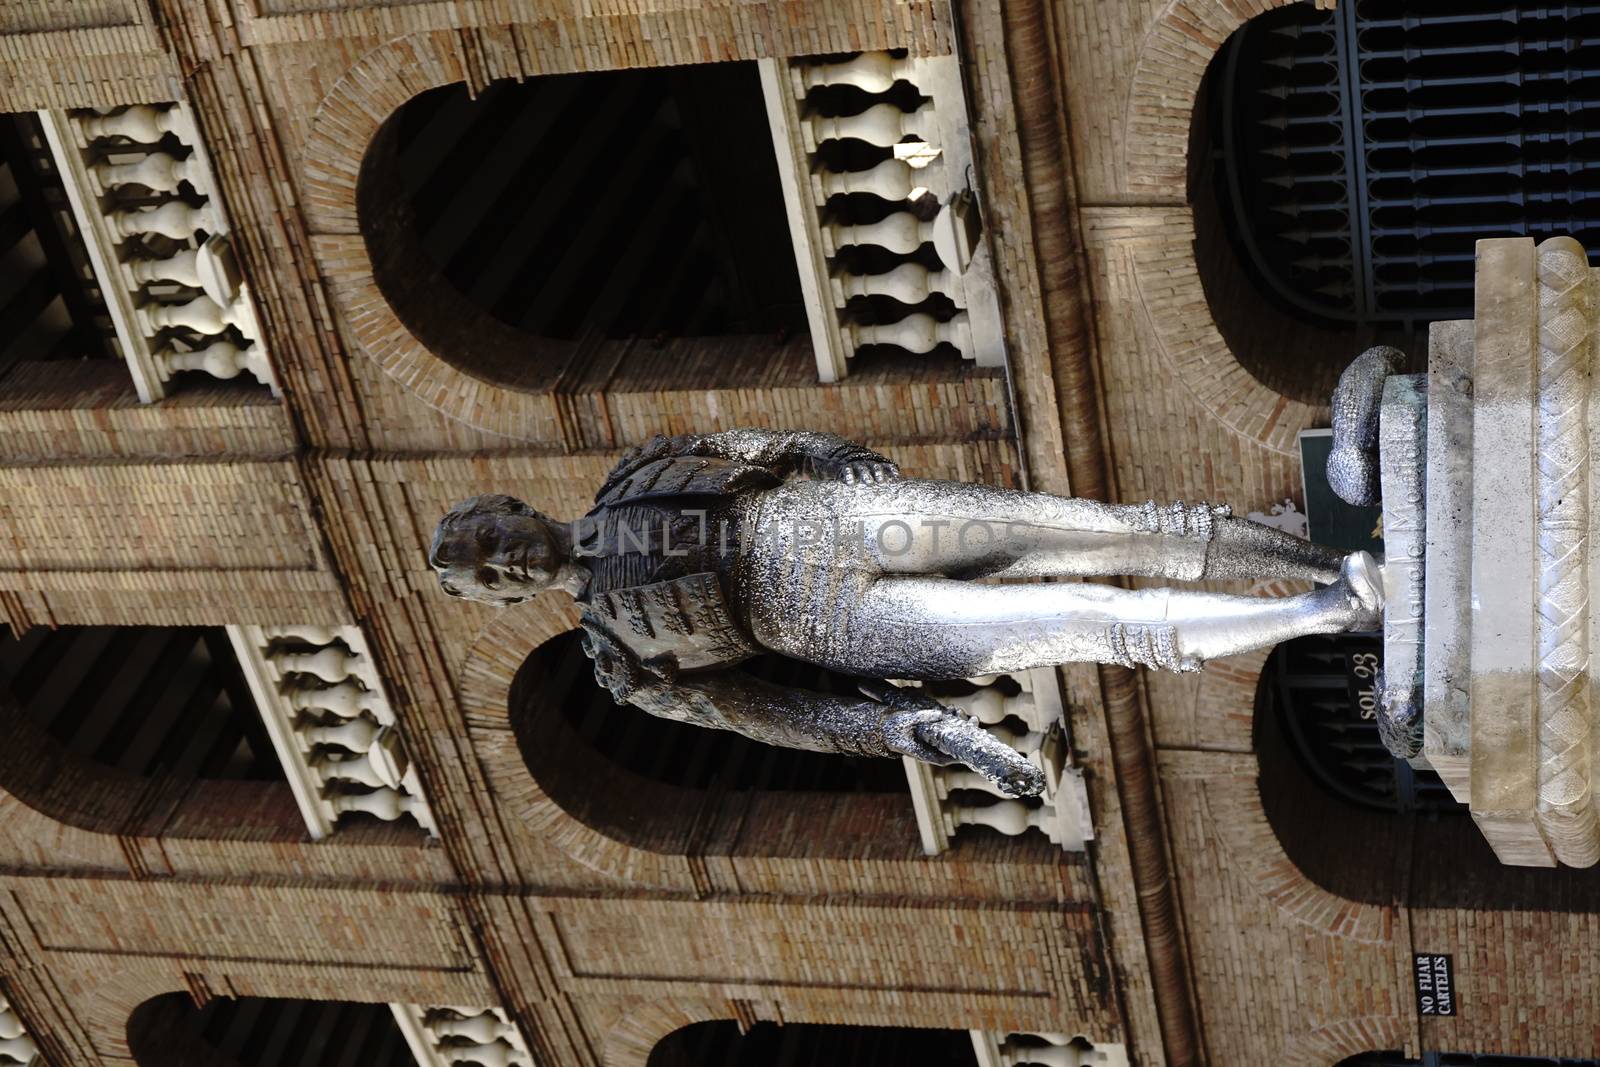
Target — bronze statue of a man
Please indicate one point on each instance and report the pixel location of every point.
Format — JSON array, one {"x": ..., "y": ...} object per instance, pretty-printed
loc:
[{"x": 703, "y": 551}]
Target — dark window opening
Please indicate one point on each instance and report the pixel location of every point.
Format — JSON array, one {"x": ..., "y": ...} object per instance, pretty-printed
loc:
[
  {"x": 1323, "y": 697},
  {"x": 51, "y": 307},
  {"x": 688, "y": 756},
  {"x": 1358, "y": 823},
  {"x": 1461, "y": 1059},
  {"x": 617, "y": 204},
  {"x": 147, "y": 701},
  {"x": 719, "y": 1044},
  {"x": 265, "y": 1032},
  {"x": 1347, "y": 161}
]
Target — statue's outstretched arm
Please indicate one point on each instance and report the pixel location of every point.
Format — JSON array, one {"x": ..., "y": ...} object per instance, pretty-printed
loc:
[
  {"x": 904, "y": 723},
  {"x": 785, "y": 451}
]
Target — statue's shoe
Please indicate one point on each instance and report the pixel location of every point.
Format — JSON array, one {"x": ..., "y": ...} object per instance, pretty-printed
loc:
[{"x": 1362, "y": 582}]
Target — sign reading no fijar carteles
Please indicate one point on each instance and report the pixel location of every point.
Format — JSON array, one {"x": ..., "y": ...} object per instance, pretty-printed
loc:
[{"x": 1436, "y": 984}]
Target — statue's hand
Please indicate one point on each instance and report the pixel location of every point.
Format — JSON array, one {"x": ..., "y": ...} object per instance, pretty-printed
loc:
[
  {"x": 924, "y": 729},
  {"x": 868, "y": 472},
  {"x": 856, "y": 465}
]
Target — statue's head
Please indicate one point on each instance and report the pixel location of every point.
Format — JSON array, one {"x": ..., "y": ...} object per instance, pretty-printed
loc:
[{"x": 497, "y": 550}]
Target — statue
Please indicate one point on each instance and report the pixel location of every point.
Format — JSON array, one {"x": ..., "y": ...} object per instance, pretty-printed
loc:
[{"x": 703, "y": 551}]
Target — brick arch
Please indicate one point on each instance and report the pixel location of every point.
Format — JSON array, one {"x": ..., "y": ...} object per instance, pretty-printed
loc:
[
  {"x": 70, "y": 799},
  {"x": 1172, "y": 63},
  {"x": 1231, "y": 797},
  {"x": 527, "y": 784},
  {"x": 557, "y": 789},
  {"x": 1235, "y": 812},
  {"x": 1177, "y": 48},
  {"x": 644, "y": 1026},
  {"x": 403, "y": 324},
  {"x": 1335, "y": 1042}
]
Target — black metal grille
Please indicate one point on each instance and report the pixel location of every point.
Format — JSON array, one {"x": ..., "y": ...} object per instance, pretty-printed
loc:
[
  {"x": 1460, "y": 1059},
  {"x": 1324, "y": 689},
  {"x": 1364, "y": 150}
]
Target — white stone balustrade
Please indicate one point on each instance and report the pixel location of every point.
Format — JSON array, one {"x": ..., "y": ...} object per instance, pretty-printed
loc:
[
  {"x": 441, "y": 1037},
  {"x": 323, "y": 704},
  {"x": 872, "y": 72},
  {"x": 922, "y": 175},
  {"x": 1044, "y": 1050},
  {"x": 946, "y": 799},
  {"x": 223, "y": 359},
  {"x": 157, "y": 171},
  {"x": 914, "y": 333},
  {"x": 909, "y": 283},
  {"x": 900, "y": 232},
  {"x": 139, "y": 182},
  {"x": 890, "y": 180},
  {"x": 884, "y": 125},
  {"x": 16, "y": 1047},
  {"x": 142, "y": 123}
]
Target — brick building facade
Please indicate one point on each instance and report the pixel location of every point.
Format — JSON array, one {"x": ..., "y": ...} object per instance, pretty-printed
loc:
[{"x": 1224, "y": 912}]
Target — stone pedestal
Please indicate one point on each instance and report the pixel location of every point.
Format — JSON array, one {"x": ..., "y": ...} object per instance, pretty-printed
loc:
[{"x": 1506, "y": 666}]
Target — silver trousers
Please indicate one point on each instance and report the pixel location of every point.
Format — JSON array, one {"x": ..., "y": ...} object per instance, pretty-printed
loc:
[{"x": 898, "y": 580}]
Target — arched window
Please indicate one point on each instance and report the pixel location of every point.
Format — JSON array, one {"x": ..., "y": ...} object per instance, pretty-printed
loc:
[
  {"x": 165, "y": 730},
  {"x": 557, "y": 680},
  {"x": 1461, "y": 1059},
  {"x": 720, "y": 1044},
  {"x": 515, "y": 230},
  {"x": 1321, "y": 694},
  {"x": 51, "y": 311},
  {"x": 143, "y": 700},
  {"x": 1345, "y": 162},
  {"x": 1361, "y": 824},
  {"x": 265, "y": 1032}
]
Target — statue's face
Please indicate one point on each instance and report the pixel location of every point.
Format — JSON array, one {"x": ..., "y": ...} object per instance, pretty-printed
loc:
[{"x": 495, "y": 550}]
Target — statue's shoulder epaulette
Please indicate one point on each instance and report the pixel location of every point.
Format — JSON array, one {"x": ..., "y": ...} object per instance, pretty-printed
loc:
[{"x": 684, "y": 476}]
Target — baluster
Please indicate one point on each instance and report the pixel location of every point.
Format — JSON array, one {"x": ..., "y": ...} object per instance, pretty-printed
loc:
[
  {"x": 331, "y": 664},
  {"x": 873, "y": 72},
  {"x": 311, "y": 635},
  {"x": 883, "y": 125},
  {"x": 182, "y": 268},
  {"x": 211, "y": 267},
  {"x": 158, "y": 171},
  {"x": 22, "y": 1049},
  {"x": 355, "y": 734},
  {"x": 176, "y": 220},
  {"x": 141, "y": 123},
  {"x": 892, "y": 179},
  {"x": 495, "y": 1055},
  {"x": 369, "y": 768},
  {"x": 202, "y": 314},
  {"x": 1010, "y": 817},
  {"x": 914, "y": 333},
  {"x": 988, "y": 705},
  {"x": 1058, "y": 1051},
  {"x": 481, "y": 1028},
  {"x": 345, "y": 700},
  {"x": 386, "y": 804},
  {"x": 909, "y": 283},
  {"x": 224, "y": 359},
  {"x": 901, "y": 232},
  {"x": 10, "y": 1024}
]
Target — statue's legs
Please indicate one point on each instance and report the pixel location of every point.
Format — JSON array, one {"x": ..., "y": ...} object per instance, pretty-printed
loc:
[
  {"x": 979, "y": 531},
  {"x": 916, "y": 627},
  {"x": 862, "y": 579}
]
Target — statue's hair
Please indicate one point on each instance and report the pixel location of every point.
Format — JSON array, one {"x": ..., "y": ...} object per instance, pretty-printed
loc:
[{"x": 486, "y": 505}]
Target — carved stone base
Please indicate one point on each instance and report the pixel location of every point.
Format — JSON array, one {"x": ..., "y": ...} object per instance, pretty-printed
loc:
[{"x": 1508, "y": 670}]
